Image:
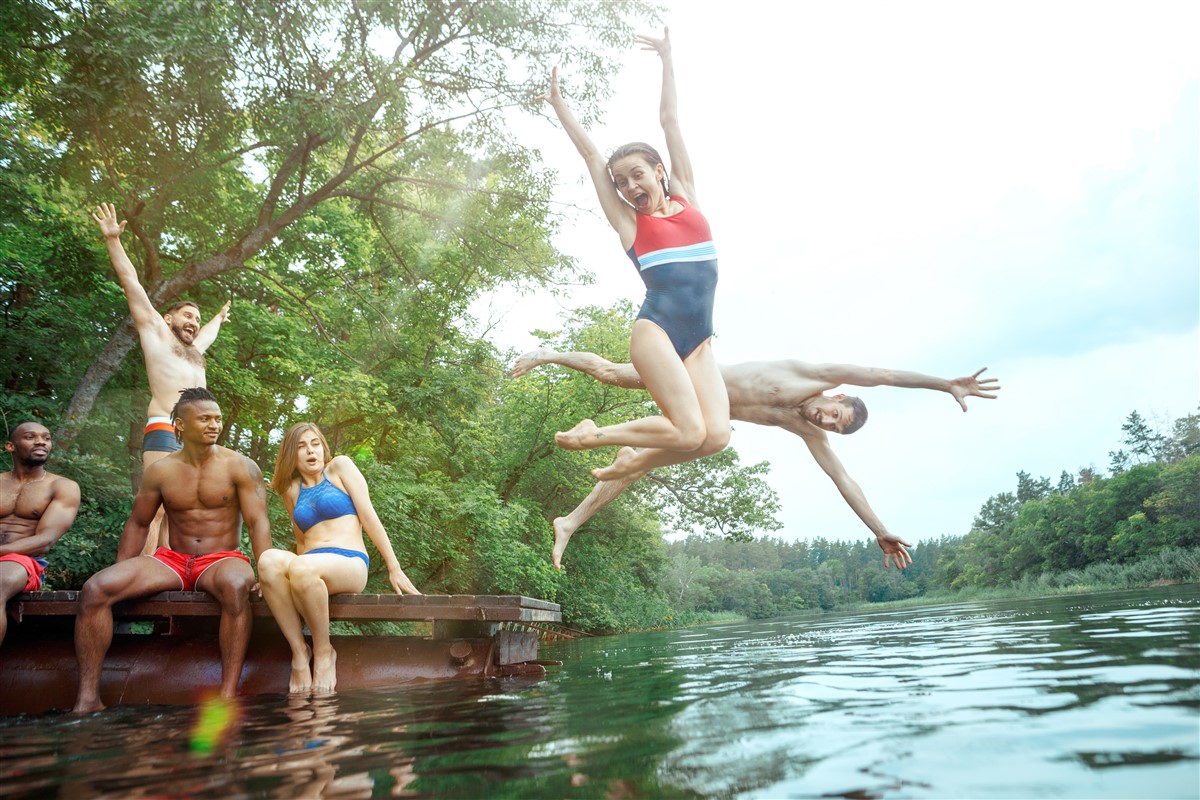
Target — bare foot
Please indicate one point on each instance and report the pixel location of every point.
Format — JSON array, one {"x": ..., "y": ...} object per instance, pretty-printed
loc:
[
  {"x": 325, "y": 674},
  {"x": 531, "y": 360},
  {"x": 562, "y": 534},
  {"x": 301, "y": 681},
  {"x": 87, "y": 706},
  {"x": 623, "y": 466},
  {"x": 581, "y": 437}
]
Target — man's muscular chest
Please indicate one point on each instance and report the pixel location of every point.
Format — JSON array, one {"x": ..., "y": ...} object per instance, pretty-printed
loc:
[
  {"x": 24, "y": 501},
  {"x": 195, "y": 490}
]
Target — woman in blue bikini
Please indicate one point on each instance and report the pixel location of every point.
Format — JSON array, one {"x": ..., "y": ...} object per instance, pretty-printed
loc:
[
  {"x": 668, "y": 239},
  {"x": 330, "y": 508}
]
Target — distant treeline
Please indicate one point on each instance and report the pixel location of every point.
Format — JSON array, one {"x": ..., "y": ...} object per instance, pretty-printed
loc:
[{"x": 1140, "y": 525}]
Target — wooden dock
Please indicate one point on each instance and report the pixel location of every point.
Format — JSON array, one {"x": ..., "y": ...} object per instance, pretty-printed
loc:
[{"x": 472, "y": 636}]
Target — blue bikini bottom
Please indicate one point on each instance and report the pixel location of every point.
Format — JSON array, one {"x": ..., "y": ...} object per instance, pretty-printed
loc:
[{"x": 341, "y": 551}]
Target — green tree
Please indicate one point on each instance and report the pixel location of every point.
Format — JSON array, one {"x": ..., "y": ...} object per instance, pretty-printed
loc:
[
  {"x": 1141, "y": 440},
  {"x": 218, "y": 128}
]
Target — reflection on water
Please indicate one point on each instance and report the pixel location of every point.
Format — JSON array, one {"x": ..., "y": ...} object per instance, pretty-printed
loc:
[{"x": 1085, "y": 696}]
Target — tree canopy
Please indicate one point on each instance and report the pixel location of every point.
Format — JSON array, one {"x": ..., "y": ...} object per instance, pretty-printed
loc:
[{"x": 345, "y": 173}]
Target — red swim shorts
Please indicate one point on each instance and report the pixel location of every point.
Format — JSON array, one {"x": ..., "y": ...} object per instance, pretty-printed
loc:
[
  {"x": 36, "y": 567},
  {"x": 190, "y": 567}
]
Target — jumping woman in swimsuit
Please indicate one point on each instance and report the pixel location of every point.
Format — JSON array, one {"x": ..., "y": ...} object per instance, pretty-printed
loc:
[
  {"x": 330, "y": 507},
  {"x": 668, "y": 239}
]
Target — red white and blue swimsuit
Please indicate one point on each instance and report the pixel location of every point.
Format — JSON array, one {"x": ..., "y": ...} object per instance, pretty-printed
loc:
[{"x": 677, "y": 260}]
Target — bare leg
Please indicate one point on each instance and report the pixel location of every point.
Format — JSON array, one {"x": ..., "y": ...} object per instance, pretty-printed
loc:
[
  {"x": 273, "y": 566},
  {"x": 313, "y": 578},
  {"x": 603, "y": 370},
  {"x": 682, "y": 425},
  {"x": 134, "y": 577},
  {"x": 601, "y": 495},
  {"x": 703, "y": 368},
  {"x": 709, "y": 402},
  {"x": 229, "y": 581},
  {"x": 13, "y": 578},
  {"x": 158, "y": 536}
]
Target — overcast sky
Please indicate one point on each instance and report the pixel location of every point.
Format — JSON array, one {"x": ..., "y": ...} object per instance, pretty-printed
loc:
[{"x": 934, "y": 186}]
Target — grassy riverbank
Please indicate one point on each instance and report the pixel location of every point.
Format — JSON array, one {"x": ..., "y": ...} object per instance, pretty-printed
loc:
[{"x": 1167, "y": 567}]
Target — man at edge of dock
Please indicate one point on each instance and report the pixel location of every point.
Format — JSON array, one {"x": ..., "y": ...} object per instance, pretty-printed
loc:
[
  {"x": 36, "y": 508},
  {"x": 207, "y": 490}
]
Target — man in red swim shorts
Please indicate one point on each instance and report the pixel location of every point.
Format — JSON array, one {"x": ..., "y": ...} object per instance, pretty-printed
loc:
[
  {"x": 36, "y": 508},
  {"x": 207, "y": 491}
]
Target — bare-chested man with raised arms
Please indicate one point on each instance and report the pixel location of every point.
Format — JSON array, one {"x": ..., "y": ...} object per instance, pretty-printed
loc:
[
  {"x": 36, "y": 508},
  {"x": 173, "y": 345},
  {"x": 207, "y": 490},
  {"x": 784, "y": 394}
]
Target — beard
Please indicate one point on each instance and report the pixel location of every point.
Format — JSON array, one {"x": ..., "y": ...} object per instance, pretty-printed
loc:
[
  {"x": 35, "y": 461},
  {"x": 184, "y": 338}
]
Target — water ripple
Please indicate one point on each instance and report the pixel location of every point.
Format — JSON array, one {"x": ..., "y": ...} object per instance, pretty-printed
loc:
[{"x": 1095, "y": 696}]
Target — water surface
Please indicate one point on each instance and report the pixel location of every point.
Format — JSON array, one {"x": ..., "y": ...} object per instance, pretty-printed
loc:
[{"x": 1086, "y": 696}]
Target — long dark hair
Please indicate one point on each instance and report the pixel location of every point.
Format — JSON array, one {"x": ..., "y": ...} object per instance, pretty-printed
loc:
[{"x": 285, "y": 462}]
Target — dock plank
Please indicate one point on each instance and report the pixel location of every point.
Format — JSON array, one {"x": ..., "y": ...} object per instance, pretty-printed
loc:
[{"x": 355, "y": 607}]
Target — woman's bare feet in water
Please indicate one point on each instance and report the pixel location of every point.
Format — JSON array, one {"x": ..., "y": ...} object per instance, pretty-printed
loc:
[
  {"x": 325, "y": 674},
  {"x": 301, "y": 681},
  {"x": 88, "y": 706},
  {"x": 581, "y": 437},
  {"x": 531, "y": 360},
  {"x": 563, "y": 531},
  {"x": 623, "y": 466}
]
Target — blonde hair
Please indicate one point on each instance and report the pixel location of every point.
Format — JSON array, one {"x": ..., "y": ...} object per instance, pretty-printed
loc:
[{"x": 285, "y": 462}]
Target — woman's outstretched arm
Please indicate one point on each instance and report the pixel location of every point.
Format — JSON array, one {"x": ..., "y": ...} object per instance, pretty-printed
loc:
[
  {"x": 683, "y": 181},
  {"x": 620, "y": 214}
]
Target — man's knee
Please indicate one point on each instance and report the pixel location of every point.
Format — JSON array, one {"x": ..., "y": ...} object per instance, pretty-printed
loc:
[
  {"x": 13, "y": 579},
  {"x": 99, "y": 591},
  {"x": 231, "y": 588}
]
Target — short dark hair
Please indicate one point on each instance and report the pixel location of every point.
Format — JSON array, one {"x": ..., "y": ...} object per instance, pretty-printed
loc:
[
  {"x": 178, "y": 305},
  {"x": 194, "y": 395},
  {"x": 13, "y": 430},
  {"x": 859, "y": 411}
]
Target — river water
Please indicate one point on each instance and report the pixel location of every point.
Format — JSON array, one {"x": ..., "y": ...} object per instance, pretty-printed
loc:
[{"x": 1086, "y": 696}]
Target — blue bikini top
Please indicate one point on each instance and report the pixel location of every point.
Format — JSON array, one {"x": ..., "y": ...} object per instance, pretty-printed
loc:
[{"x": 320, "y": 503}]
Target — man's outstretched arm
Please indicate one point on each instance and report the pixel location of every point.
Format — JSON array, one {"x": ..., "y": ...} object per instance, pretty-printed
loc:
[
  {"x": 208, "y": 334},
  {"x": 892, "y": 545},
  {"x": 623, "y": 376},
  {"x": 140, "y": 307},
  {"x": 958, "y": 388}
]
